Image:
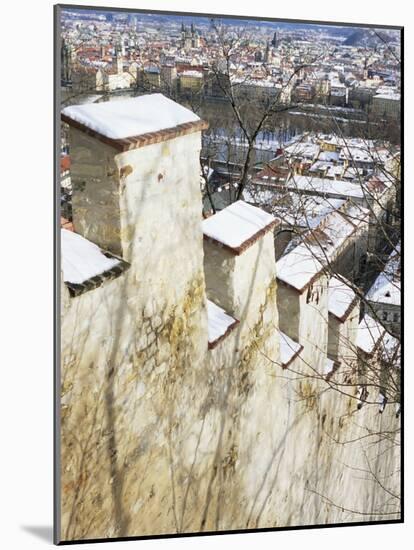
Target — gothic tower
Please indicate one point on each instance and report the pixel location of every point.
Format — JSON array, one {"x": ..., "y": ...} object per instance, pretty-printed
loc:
[
  {"x": 65, "y": 53},
  {"x": 182, "y": 35},
  {"x": 118, "y": 58},
  {"x": 267, "y": 53}
]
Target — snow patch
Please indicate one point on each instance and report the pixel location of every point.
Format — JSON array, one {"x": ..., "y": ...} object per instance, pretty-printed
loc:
[{"x": 82, "y": 259}]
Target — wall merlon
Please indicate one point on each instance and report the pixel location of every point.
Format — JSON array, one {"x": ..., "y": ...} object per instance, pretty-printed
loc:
[
  {"x": 85, "y": 120},
  {"x": 239, "y": 256}
]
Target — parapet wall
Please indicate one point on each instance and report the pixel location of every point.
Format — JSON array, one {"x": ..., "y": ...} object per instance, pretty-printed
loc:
[{"x": 161, "y": 434}]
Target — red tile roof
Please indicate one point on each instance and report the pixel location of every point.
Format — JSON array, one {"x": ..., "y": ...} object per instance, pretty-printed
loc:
[
  {"x": 64, "y": 163},
  {"x": 66, "y": 224}
]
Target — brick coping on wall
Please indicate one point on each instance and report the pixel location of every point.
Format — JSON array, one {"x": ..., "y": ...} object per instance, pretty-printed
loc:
[
  {"x": 248, "y": 242},
  {"x": 98, "y": 280},
  {"x": 135, "y": 142},
  {"x": 309, "y": 283}
]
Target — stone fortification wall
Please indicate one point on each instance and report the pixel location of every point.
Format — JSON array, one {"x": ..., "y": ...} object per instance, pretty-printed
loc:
[{"x": 161, "y": 434}]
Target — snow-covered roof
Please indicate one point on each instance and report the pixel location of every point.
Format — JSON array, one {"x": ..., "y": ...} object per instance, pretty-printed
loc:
[
  {"x": 304, "y": 149},
  {"x": 337, "y": 188},
  {"x": 259, "y": 195},
  {"x": 238, "y": 225},
  {"x": 219, "y": 323},
  {"x": 390, "y": 350},
  {"x": 298, "y": 267},
  {"x": 340, "y": 298},
  {"x": 82, "y": 259},
  {"x": 337, "y": 140},
  {"x": 329, "y": 236},
  {"x": 329, "y": 156},
  {"x": 320, "y": 165},
  {"x": 370, "y": 332},
  {"x": 131, "y": 117},
  {"x": 296, "y": 210},
  {"x": 289, "y": 349},
  {"x": 355, "y": 213},
  {"x": 387, "y": 286},
  {"x": 194, "y": 74},
  {"x": 360, "y": 154},
  {"x": 385, "y": 291}
]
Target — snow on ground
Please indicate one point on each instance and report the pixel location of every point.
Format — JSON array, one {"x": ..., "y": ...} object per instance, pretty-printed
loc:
[
  {"x": 288, "y": 348},
  {"x": 236, "y": 224},
  {"x": 218, "y": 321},
  {"x": 298, "y": 267},
  {"x": 340, "y": 297},
  {"x": 82, "y": 259},
  {"x": 131, "y": 117},
  {"x": 330, "y": 116}
]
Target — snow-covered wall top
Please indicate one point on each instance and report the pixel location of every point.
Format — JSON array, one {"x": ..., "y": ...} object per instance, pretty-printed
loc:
[
  {"x": 341, "y": 297},
  {"x": 298, "y": 267},
  {"x": 131, "y": 117},
  {"x": 82, "y": 259},
  {"x": 289, "y": 349},
  {"x": 369, "y": 333},
  {"x": 238, "y": 223},
  {"x": 219, "y": 322}
]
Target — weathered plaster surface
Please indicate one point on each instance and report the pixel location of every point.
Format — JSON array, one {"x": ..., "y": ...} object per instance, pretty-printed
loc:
[{"x": 162, "y": 435}]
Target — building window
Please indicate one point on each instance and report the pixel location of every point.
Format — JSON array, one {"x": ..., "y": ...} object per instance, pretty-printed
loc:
[
  {"x": 385, "y": 316},
  {"x": 396, "y": 318}
]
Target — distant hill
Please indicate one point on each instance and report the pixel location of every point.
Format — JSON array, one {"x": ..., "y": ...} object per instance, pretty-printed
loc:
[{"x": 367, "y": 37}]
